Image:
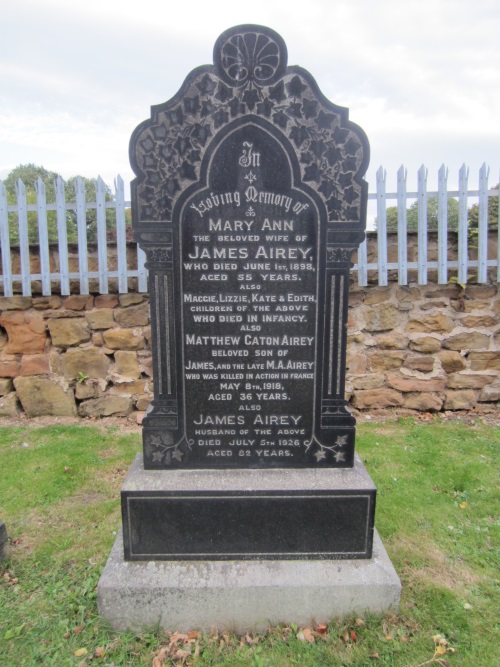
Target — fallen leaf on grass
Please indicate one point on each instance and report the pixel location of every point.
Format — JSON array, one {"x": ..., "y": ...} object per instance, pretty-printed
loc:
[
  {"x": 78, "y": 629},
  {"x": 99, "y": 652},
  {"x": 374, "y": 656},
  {"x": 160, "y": 657},
  {"x": 306, "y": 635},
  {"x": 353, "y": 635},
  {"x": 359, "y": 622},
  {"x": 463, "y": 505},
  {"x": 80, "y": 652},
  {"x": 321, "y": 628}
]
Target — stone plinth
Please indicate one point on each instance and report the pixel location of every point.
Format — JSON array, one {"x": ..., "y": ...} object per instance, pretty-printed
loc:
[{"x": 242, "y": 594}]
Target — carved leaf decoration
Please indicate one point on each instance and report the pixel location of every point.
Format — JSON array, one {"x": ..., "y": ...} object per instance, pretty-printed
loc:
[
  {"x": 310, "y": 108},
  {"x": 281, "y": 119},
  {"x": 277, "y": 92},
  {"x": 295, "y": 87},
  {"x": 299, "y": 134}
]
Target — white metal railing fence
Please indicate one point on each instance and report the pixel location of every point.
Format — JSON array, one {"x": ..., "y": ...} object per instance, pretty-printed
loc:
[{"x": 123, "y": 272}]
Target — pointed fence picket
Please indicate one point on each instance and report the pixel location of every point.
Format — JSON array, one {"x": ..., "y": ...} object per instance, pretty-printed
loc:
[{"x": 16, "y": 214}]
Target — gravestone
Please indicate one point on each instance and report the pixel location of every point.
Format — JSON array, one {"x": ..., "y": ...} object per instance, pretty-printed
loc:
[
  {"x": 3, "y": 539},
  {"x": 249, "y": 202}
]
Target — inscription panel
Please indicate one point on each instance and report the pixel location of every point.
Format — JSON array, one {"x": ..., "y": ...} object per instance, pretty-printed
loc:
[{"x": 249, "y": 265}]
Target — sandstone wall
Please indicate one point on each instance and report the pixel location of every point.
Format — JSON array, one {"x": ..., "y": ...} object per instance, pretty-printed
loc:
[{"x": 424, "y": 348}]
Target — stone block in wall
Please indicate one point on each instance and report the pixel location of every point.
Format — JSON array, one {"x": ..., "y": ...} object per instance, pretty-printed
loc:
[
  {"x": 469, "y": 340},
  {"x": 79, "y": 302},
  {"x": 6, "y": 386},
  {"x": 468, "y": 306},
  {"x": 439, "y": 292},
  {"x": 142, "y": 403},
  {"x": 381, "y": 361},
  {"x": 130, "y": 299},
  {"x": 430, "y": 305},
  {"x": 126, "y": 364},
  {"x": 356, "y": 296},
  {"x": 469, "y": 381},
  {"x": 426, "y": 344},
  {"x": 41, "y": 396},
  {"x": 478, "y": 321},
  {"x": 490, "y": 393},
  {"x": 126, "y": 387},
  {"x": 9, "y": 405},
  {"x": 356, "y": 362},
  {"x": 430, "y": 324},
  {"x": 134, "y": 316},
  {"x": 377, "y": 295},
  {"x": 481, "y": 291},
  {"x": 381, "y": 318},
  {"x": 146, "y": 364},
  {"x": 496, "y": 307},
  {"x": 107, "y": 406},
  {"x": 425, "y": 402},
  {"x": 90, "y": 388},
  {"x": 451, "y": 361},
  {"x": 10, "y": 365},
  {"x": 406, "y": 383},
  {"x": 26, "y": 332},
  {"x": 35, "y": 364},
  {"x": 377, "y": 398},
  {"x": 47, "y": 302},
  {"x": 464, "y": 399},
  {"x": 67, "y": 332},
  {"x": 391, "y": 341},
  {"x": 15, "y": 302},
  {"x": 424, "y": 364},
  {"x": 408, "y": 294},
  {"x": 106, "y": 301},
  {"x": 484, "y": 361},
  {"x": 87, "y": 361},
  {"x": 101, "y": 318},
  {"x": 124, "y": 339},
  {"x": 371, "y": 381}
]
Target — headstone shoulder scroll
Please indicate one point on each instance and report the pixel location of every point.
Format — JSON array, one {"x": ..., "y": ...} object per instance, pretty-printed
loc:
[{"x": 249, "y": 202}]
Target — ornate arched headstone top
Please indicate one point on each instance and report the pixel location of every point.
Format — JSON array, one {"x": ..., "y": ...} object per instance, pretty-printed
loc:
[
  {"x": 249, "y": 79},
  {"x": 250, "y": 54}
]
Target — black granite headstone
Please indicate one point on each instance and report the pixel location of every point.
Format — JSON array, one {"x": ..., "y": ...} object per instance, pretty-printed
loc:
[
  {"x": 3, "y": 539},
  {"x": 249, "y": 202}
]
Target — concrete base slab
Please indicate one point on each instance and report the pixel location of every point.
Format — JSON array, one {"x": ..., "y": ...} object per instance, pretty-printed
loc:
[{"x": 242, "y": 594}]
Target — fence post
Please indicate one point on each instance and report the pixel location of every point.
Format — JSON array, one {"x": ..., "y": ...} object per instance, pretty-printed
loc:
[
  {"x": 5, "y": 241},
  {"x": 102, "y": 245},
  {"x": 81, "y": 221},
  {"x": 24, "y": 248},
  {"x": 43, "y": 235},
  {"x": 422, "y": 225},
  {"x": 62, "y": 236},
  {"x": 121, "y": 236},
  {"x": 482, "y": 239},
  {"x": 381, "y": 227},
  {"x": 463, "y": 176},
  {"x": 402, "y": 228},
  {"x": 443, "y": 225}
]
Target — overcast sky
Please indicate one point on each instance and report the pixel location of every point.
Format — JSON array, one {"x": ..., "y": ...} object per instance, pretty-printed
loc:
[{"x": 421, "y": 77}]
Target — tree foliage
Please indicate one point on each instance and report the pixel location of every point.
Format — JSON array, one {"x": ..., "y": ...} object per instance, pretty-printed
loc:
[
  {"x": 29, "y": 175},
  {"x": 432, "y": 216},
  {"x": 492, "y": 212}
]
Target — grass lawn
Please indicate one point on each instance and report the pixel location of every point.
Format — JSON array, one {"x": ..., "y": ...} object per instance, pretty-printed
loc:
[{"x": 437, "y": 512}]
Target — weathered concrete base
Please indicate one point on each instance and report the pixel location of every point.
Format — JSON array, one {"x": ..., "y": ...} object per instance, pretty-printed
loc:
[{"x": 242, "y": 594}]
